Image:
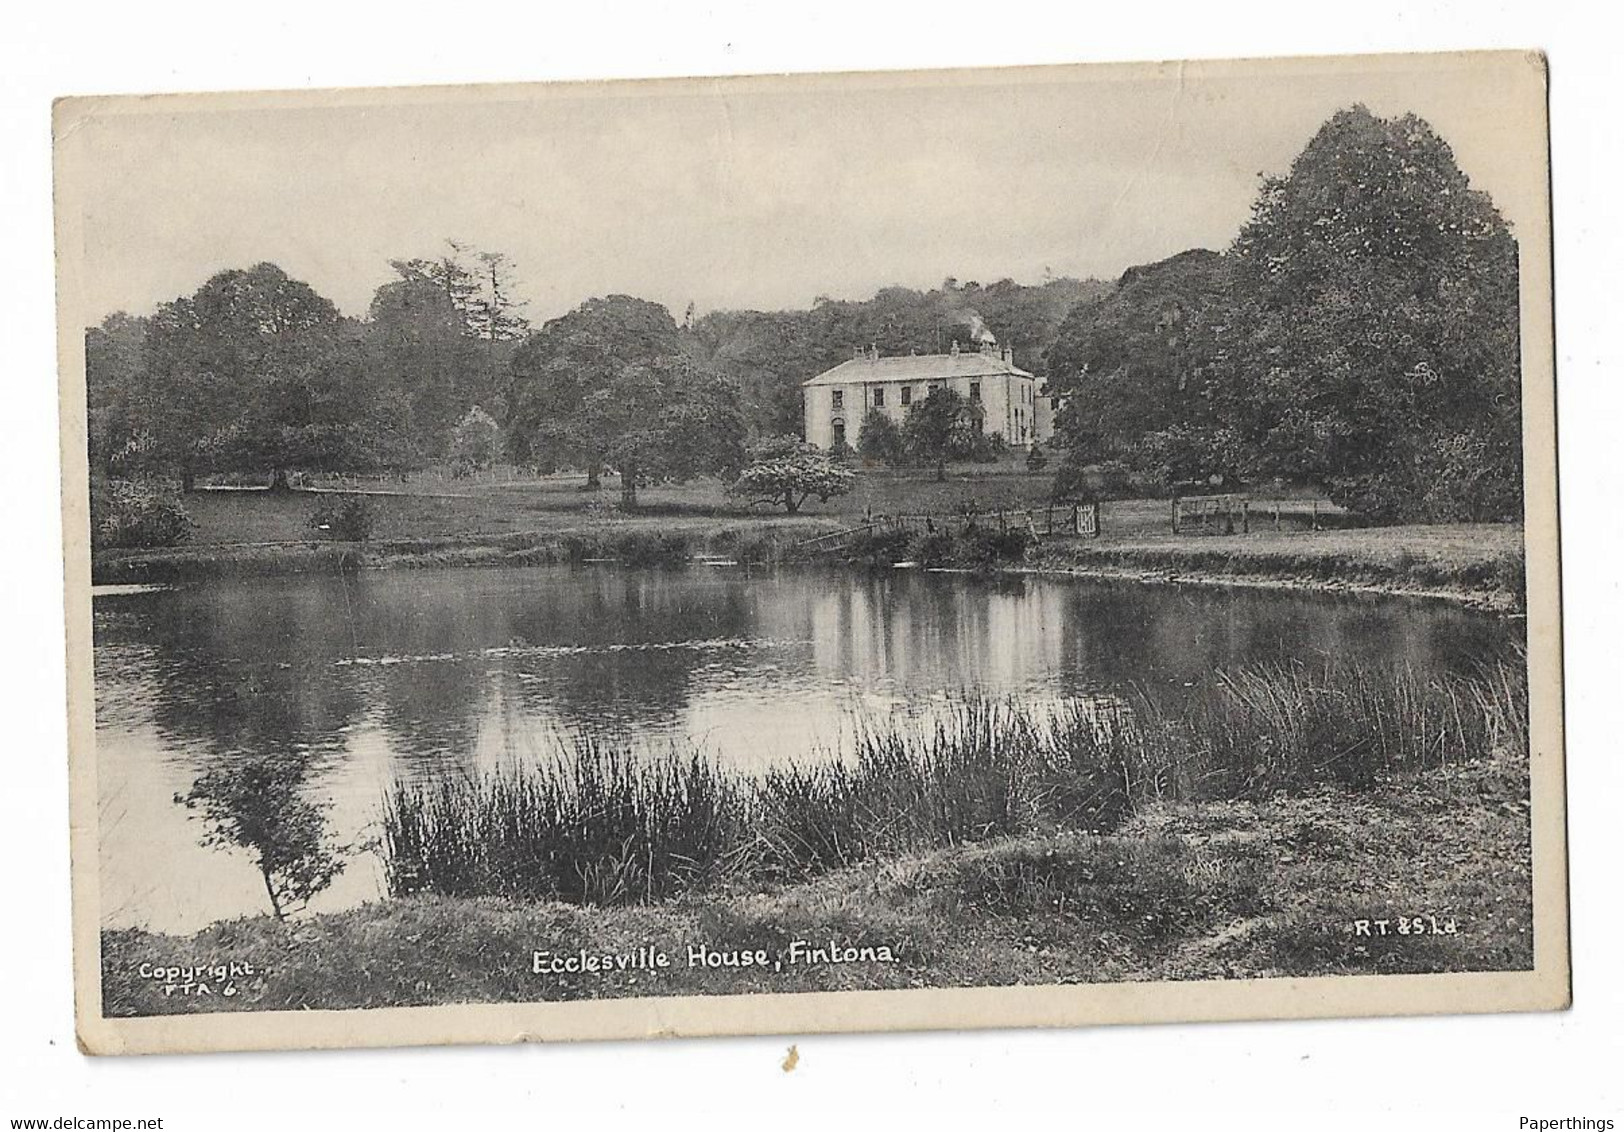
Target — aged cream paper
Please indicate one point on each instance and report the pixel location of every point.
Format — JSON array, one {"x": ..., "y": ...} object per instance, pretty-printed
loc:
[{"x": 210, "y": 752}]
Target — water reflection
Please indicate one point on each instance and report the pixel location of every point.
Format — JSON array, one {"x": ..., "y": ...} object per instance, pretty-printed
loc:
[{"x": 363, "y": 678}]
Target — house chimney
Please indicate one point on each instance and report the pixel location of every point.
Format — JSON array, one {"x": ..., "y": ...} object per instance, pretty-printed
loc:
[
  {"x": 1009, "y": 355},
  {"x": 874, "y": 352},
  {"x": 955, "y": 351}
]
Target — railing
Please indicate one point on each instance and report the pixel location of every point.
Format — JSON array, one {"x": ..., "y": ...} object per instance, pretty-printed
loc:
[
  {"x": 1236, "y": 514},
  {"x": 1079, "y": 519}
]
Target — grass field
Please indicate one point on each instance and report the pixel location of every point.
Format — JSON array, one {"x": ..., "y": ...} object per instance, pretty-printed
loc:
[
  {"x": 467, "y": 508},
  {"x": 529, "y": 521}
]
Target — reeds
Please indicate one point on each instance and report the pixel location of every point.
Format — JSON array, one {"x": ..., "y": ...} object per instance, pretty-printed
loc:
[{"x": 607, "y": 825}]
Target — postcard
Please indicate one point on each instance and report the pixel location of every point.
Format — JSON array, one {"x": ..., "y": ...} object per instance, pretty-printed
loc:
[{"x": 973, "y": 548}]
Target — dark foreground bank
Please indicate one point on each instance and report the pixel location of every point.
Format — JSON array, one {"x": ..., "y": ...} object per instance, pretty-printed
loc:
[{"x": 1423, "y": 873}]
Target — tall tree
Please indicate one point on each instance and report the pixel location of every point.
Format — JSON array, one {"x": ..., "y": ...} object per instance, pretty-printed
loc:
[
  {"x": 114, "y": 374},
  {"x": 573, "y": 358},
  {"x": 479, "y": 286},
  {"x": 664, "y": 422},
  {"x": 1128, "y": 364},
  {"x": 257, "y": 372},
  {"x": 1375, "y": 346},
  {"x": 942, "y": 427},
  {"x": 417, "y": 342},
  {"x": 451, "y": 276}
]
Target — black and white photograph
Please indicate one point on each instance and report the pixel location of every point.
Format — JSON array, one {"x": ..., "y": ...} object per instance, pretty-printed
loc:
[{"x": 892, "y": 550}]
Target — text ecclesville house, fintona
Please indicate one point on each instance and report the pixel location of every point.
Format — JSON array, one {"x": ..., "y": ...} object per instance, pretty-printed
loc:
[{"x": 837, "y": 401}]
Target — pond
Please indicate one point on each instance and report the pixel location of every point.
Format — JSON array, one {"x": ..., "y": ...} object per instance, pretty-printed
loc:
[{"x": 370, "y": 678}]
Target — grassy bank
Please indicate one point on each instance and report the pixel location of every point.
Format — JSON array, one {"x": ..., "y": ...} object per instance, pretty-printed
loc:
[
  {"x": 1250, "y": 888},
  {"x": 1480, "y": 563},
  {"x": 551, "y": 520},
  {"x": 641, "y": 541}
]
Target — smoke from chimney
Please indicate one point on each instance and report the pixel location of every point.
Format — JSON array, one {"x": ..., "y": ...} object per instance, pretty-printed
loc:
[{"x": 979, "y": 334}]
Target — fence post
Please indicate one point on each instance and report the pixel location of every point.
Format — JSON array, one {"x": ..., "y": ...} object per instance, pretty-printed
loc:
[
  {"x": 1316, "y": 514},
  {"x": 1175, "y": 514},
  {"x": 1246, "y": 516}
]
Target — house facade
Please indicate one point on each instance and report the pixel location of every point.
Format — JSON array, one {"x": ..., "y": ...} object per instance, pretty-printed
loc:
[{"x": 836, "y": 401}]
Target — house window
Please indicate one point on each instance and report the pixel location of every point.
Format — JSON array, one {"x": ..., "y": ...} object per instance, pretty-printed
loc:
[
  {"x": 975, "y": 391},
  {"x": 879, "y": 398},
  {"x": 840, "y": 398},
  {"x": 907, "y": 394}
]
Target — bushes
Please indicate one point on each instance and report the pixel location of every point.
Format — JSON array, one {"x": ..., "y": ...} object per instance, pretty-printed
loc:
[
  {"x": 978, "y": 547},
  {"x": 936, "y": 548},
  {"x": 787, "y": 480},
  {"x": 344, "y": 518},
  {"x": 1111, "y": 479},
  {"x": 983, "y": 546},
  {"x": 652, "y": 548},
  {"x": 880, "y": 440},
  {"x": 880, "y": 547},
  {"x": 135, "y": 514},
  {"x": 633, "y": 547}
]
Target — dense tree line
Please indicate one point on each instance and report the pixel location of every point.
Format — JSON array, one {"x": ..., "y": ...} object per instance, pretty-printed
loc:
[
  {"x": 1360, "y": 335},
  {"x": 770, "y": 353},
  {"x": 256, "y": 373}
]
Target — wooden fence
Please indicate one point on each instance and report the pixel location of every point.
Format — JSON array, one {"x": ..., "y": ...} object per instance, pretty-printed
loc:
[
  {"x": 1077, "y": 519},
  {"x": 1237, "y": 514}
]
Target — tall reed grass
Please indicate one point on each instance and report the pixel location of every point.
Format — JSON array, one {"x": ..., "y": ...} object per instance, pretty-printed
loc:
[{"x": 606, "y": 825}]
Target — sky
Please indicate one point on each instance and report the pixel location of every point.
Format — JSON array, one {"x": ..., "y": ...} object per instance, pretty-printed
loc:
[{"x": 737, "y": 193}]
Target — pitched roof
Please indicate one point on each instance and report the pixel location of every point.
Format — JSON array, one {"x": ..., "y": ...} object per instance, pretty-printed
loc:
[{"x": 917, "y": 367}]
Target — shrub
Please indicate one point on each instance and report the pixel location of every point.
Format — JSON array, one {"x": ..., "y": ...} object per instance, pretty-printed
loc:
[
  {"x": 878, "y": 547},
  {"x": 1111, "y": 479},
  {"x": 988, "y": 447},
  {"x": 345, "y": 518},
  {"x": 789, "y": 480},
  {"x": 651, "y": 548},
  {"x": 880, "y": 440},
  {"x": 984, "y": 546},
  {"x": 937, "y": 548},
  {"x": 1036, "y": 458},
  {"x": 136, "y": 514},
  {"x": 258, "y": 803}
]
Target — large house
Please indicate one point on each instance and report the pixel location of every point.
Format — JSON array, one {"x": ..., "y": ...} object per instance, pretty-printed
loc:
[{"x": 836, "y": 401}]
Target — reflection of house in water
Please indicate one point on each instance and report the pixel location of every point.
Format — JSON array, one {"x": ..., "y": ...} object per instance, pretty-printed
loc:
[
  {"x": 916, "y": 634},
  {"x": 1012, "y": 405}
]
